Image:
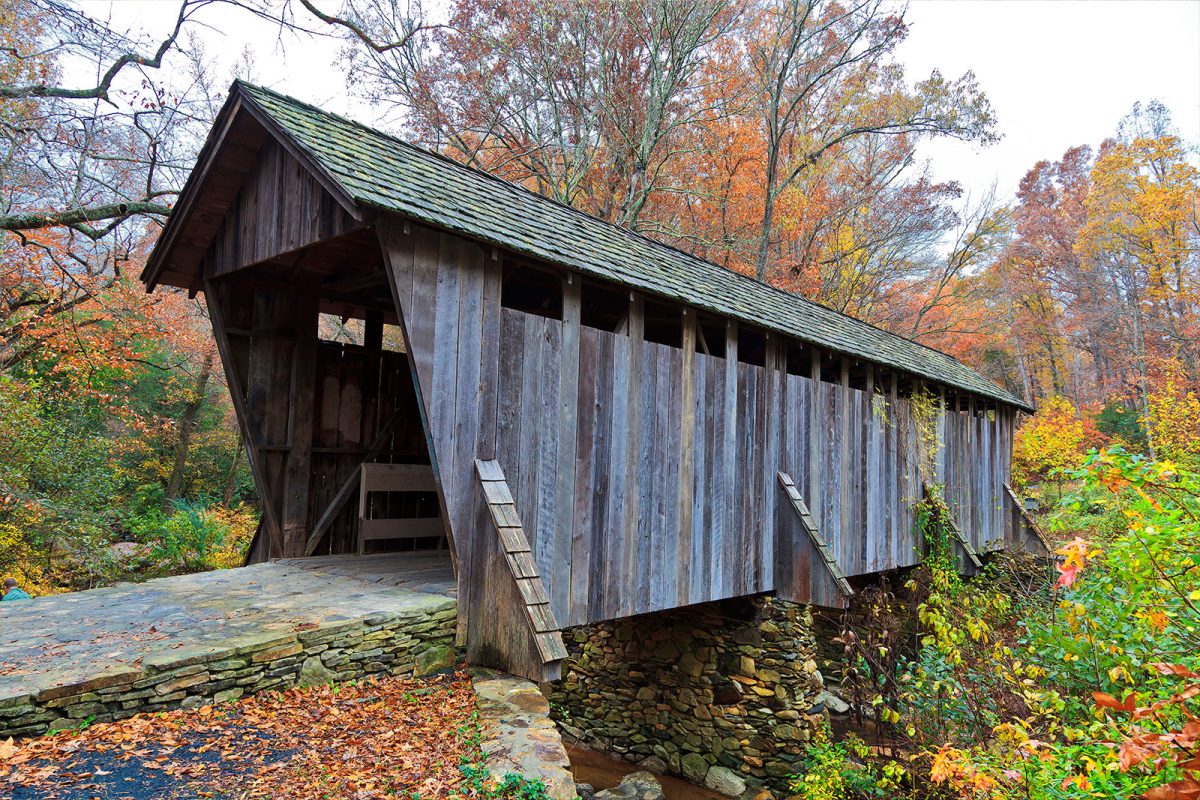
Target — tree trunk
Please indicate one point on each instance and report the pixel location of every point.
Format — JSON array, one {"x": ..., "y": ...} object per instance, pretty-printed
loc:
[
  {"x": 768, "y": 217},
  {"x": 231, "y": 479},
  {"x": 186, "y": 424}
]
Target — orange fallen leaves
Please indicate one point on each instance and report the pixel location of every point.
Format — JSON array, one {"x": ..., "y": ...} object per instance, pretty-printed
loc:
[{"x": 377, "y": 738}]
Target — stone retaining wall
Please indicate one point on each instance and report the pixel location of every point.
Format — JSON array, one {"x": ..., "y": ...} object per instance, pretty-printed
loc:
[
  {"x": 418, "y": 640},
  {"x": 725, "y": 694}
]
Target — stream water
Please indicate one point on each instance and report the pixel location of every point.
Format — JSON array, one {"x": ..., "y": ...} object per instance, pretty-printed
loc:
[{"x": 603, "y": 771}]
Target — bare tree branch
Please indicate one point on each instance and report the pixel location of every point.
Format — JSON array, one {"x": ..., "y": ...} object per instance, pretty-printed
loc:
[
  {"x": 78, "y": 217},
  {"x": 101, "y": 89},
  {"x": 410, "y": 31}
]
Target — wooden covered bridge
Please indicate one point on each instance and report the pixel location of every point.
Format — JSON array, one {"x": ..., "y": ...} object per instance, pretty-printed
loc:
[{"x": 589, "y": 423}]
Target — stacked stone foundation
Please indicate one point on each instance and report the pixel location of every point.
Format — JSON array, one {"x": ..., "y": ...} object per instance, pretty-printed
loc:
[
  {"x": 416, "y": 641},
  {"x": 715, "y": 693}
]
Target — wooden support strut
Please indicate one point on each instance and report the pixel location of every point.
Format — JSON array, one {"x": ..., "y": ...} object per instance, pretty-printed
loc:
[
  {"x": 959, "y": 536},
  {"x": 544, "y": 628},
  {"x": 1029, "y": 520},
  {"x": 237, "y": 394},
  {"x": 810, "y": 527}
]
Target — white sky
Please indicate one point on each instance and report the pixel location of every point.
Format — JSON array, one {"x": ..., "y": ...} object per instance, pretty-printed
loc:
[{"x": 1058, "y": 73}]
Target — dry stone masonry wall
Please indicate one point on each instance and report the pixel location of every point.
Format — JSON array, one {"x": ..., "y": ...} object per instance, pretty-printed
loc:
[
  {"x": 419, "y": 639},
  {"x": 725, "y": 694}
]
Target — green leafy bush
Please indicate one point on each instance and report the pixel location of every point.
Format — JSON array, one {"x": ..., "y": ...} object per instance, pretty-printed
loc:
[
  {"x": 842, "y": 771},
  {"x": 1088, "y": 686},
  {"x": 189, "y": 540}
]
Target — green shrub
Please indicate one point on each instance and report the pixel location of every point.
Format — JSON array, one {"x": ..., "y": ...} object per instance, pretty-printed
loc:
[
  {"x": 190, "y": 539},
  {"x": 842, "y": 771}
]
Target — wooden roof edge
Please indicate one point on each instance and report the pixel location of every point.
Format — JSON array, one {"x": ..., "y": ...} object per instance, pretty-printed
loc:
[
  {"x": 187, "y": 196},
  {"x": 238, "y": 101}
]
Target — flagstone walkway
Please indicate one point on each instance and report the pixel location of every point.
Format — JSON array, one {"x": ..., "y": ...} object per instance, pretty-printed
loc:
[{"x": 212, "y": 637}]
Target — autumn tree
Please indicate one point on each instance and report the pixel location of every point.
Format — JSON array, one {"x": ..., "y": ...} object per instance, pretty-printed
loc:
[
  {"x": 1037, "y": 272},
  {"x": 98, "y": 129},
  {"x": 825, "y": 75},
  {"x": 1173, "y": 415},
  {"x": 94, "y": 146},
  {"x": 1098, "y": 285},
  {"x": 581, "y": 101},
  {"x": 1050, "y": 441},
  {"x": 1140, "y": 240}
]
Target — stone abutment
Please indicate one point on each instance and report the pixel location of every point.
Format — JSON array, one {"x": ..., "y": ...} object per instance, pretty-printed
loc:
[{"x": 725, "y": 694}]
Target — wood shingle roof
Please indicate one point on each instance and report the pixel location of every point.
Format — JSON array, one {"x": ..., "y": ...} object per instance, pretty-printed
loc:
[{"x": 381, "y": 171}]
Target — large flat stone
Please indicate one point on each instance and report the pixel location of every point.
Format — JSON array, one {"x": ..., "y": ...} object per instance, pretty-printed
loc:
[{"x": 518, "y": 735}]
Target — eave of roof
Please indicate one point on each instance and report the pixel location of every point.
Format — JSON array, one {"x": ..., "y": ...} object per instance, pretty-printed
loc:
[{"x": 381, "y": 171}]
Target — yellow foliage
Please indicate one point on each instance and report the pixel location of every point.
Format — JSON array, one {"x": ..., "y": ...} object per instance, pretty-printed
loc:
[
  {"x": 1052, "y": 439},
  {"x": 1173, "y": 417},
  {"x": 16, "y": 563},
  {"x": 240, "y": 522}
]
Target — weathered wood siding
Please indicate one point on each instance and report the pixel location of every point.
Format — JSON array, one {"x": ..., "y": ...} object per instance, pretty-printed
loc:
[
  {"x": 645, "y": 475},
  {"x": 280, "y": 207},
  {"x": 973, "y": 466},
  {"x": 308, "y": 409}
]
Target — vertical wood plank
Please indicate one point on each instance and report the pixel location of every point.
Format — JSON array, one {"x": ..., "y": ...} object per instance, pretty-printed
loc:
[
  {"x": 664, "y": 539},
  {"x": 633, "y": 557},
  {"x": 815, "y": 502},
  {"x": 700, "y": 533},
  {"x": 847, "y": 551},
  {"x": 617, "y": 536},
  {"x": 687, "y": 456},
  {"x": 730, "y": 527},
  {"x": 568, "y": 395},
  {"x": 599, "y": 566},
  {"x": 539, "y": 437},
  {"x": 717, "y": 507},
  {"x": 302, "y": 392},
  {"x": 774, "y": 422},
  {"x": 464, "y": 355},
  {"x": 489, "y": 362},
  {"x": 646, "y": 471},
  {"x": 508, "y": 405},
  {"x": 587, "y": 427},
  {"x": 751, "y": 463}
]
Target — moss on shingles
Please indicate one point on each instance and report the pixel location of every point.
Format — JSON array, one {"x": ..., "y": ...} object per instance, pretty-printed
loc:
[{"x": 381, "y": 171}]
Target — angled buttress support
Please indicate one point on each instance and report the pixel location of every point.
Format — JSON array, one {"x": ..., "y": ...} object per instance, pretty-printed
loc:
[
  {"x": 520, "y": 632},
  {"x": 810, "y": 528}
]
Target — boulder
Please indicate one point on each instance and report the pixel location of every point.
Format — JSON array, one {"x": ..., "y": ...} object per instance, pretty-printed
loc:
[
  {"x": 653, "y": 764},
  {"x": 723, "y": 780},
  {"x": 694, "y": 767},
  {"x": 439, "y": 658},
  {"x": 832, "y": 703},
  {"x": 634, "y": 786},
  {"x": 313, "y": 673}
]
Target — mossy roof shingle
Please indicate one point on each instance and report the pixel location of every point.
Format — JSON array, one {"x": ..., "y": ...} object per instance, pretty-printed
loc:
[{"x": 379, "y": 170}]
